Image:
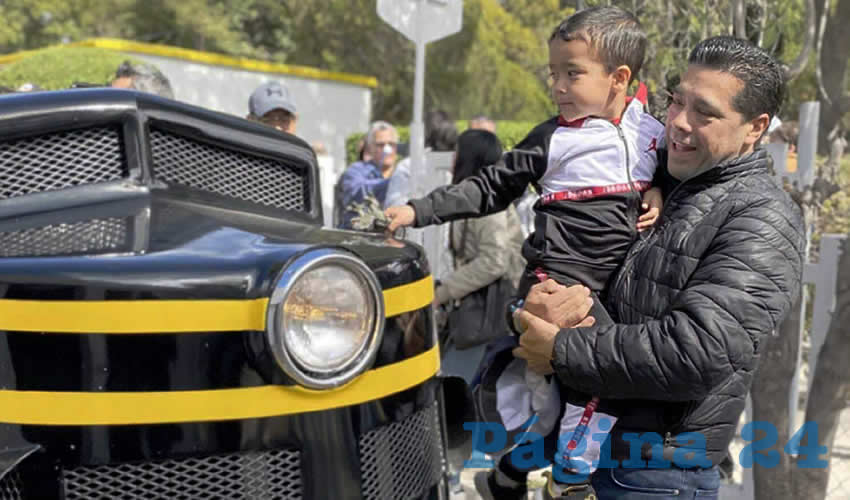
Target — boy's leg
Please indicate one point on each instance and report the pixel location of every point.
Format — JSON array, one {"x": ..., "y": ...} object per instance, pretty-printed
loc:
[{"x": 585, "y": 418}]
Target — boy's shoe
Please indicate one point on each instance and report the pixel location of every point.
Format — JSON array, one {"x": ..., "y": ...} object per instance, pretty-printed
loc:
[
  {"x": 726, "y": 468},
  {"x": 488, "y": 489},
  {"x": 556, "y": 491}
]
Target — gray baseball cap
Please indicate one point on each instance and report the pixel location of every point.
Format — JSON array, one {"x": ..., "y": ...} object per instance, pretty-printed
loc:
[{"x": 269, "y": 96}]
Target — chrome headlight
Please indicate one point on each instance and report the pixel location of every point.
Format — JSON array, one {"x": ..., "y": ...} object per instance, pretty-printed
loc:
[{"x": 325, "y": 318}]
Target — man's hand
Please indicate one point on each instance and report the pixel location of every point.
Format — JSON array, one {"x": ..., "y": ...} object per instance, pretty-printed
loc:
[
  {"x": 653, "y": 201},
  {"x": 400, "y": 216},
  {"x": 536, "y": 343},
  {"x": 564, "y": 307}
]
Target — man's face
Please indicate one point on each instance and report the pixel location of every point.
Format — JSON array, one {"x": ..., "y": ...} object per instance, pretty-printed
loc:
[
  {"x": 384, "y": 158},
  {"x": 280, "y": 119},
  {"x": 703, "y": 127},
  {"x": 580, "y": 83}
]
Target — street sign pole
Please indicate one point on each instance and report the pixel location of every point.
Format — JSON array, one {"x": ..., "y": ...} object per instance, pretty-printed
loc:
[
  {"x": 417, "y": 127},
  {"x": 421, "y": 21}
]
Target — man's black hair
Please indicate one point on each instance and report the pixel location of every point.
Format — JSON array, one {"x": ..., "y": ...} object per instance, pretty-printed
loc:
[
  {"x": 761, "y": 74},
  {"x": 615, "y": 35}
]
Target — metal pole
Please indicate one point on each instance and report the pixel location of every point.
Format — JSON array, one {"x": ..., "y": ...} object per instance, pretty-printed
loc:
[{"x": 417, "y": 128}]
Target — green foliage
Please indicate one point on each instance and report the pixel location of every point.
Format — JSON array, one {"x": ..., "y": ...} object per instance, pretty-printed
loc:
[
  {"x": 58, "y": 68},
  {"x": 496, "y": 65},
  {"x": 509, "y": 132}
]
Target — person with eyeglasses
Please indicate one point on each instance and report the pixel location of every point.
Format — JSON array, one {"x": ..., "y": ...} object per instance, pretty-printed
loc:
[
  {"x": 368, "y": 177},
  {"x": 271, "y": 104}
]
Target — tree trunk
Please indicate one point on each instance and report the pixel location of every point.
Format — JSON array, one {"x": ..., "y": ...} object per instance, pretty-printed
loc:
[
  {"x": 830, "y": 388},
  {"x": 802, "y": 59},
  {"x": 769, "y": 394},
  {"x": 739, "y": 19},
  {"x": 833, "y": 68}
]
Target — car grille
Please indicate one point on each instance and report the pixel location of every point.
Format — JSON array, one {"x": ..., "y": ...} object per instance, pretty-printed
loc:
[
  {"x": 10, "y": 486},
  {"x": 210, "y": 168},
  {"x": 269, "y": 475},
  {"x": 95, "y": 235},
  {"x": 402, "y": 459},
  {"x": 60, "y": 160}
]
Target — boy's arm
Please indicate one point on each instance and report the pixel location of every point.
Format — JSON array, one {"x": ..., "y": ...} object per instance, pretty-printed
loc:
[{"x": 491, "y": 190}]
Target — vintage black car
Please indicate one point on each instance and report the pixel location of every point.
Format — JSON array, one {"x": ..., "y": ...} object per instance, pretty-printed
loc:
[{"x": 175, "y": 322}]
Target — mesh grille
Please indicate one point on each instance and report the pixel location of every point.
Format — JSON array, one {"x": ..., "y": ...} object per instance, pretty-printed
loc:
[
  {"x": 402, "y": 459},
  {"x": 10, "y": 486},
  {"x": 96, "y": 235},
  {"x": 58, "y": 161},
  {"x": 230, "y": 173},
  {"x": 269, "y": 475}
]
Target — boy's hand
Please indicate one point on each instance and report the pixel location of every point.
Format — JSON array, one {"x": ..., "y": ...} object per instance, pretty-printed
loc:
[
  {"x": 537, "y": 343},
  {"x": 652, "y": 203},
  {"x": 400, "y": 216}
]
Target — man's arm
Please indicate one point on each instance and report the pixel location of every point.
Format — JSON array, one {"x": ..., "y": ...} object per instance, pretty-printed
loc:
[
  {"x": 356, "y": 186},
  {"x": 740, "y": 292}
]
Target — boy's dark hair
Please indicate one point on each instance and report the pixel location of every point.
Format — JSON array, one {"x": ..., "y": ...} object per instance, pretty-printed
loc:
[
  {"x": 614, "y": 34},
  {"x": 764, "y": 82}
]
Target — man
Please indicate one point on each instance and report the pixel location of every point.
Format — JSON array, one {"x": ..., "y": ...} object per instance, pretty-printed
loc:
[
  {"x": 369, "y": 177},
  {"x": 440, "y": 135},
  {"x": 272, "y": 105},
  {"x": 696, "y": 297},
  {"x": 142, "y": 77}
]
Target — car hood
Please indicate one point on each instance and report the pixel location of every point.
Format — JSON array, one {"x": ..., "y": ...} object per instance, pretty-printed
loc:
[{"x": 168, "y": 247}]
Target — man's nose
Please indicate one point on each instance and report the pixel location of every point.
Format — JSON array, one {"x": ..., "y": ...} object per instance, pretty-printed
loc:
[{"x": 679, "y": 120}]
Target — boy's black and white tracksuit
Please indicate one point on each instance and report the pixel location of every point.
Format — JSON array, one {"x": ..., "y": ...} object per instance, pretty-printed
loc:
[{"x": 589, "y": 174}]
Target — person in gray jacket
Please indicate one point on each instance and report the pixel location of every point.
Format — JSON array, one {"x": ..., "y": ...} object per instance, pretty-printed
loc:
[{"x": 491, "y": 247}]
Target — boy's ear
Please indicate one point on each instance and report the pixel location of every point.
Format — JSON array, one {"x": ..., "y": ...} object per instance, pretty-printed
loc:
[{"x": 622, "y": 76}]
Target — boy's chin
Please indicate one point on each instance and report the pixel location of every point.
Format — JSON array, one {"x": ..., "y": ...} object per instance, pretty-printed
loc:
[{"x": 571, "y": 117}]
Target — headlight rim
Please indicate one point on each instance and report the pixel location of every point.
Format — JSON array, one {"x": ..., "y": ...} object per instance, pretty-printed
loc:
[{"x": 275, "y": 338}]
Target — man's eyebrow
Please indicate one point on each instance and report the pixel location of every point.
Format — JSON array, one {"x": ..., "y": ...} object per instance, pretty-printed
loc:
[
  {"x": 707, "y": 106},
  {"x": 702, "y": 103}
]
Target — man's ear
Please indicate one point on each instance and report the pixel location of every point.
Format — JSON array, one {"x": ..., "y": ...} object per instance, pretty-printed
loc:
[
  {"x": 622, "y": 75},
  {"x": 758, "y": 128}
]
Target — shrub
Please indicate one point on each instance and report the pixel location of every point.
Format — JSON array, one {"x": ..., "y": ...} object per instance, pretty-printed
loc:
[{"x": 57, "y": 68}]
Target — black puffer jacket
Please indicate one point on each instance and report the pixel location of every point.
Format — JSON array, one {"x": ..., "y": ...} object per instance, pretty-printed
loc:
[{"x": 694, "y": 302}]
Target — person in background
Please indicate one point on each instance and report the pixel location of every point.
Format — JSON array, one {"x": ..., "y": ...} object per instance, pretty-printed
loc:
[
  {"x": 482, "y": 122},
  {"x": 484, "y": 251},
  {"x": 440, "y": 135},
  {"x": 491, "y": 249},
  {"x": 142, "y": 77},
  {"x": 271, "y": 104},
  {"x": 369, "y": 177}
]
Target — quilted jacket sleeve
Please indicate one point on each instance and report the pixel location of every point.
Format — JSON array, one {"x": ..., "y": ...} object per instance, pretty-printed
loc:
[{"x": 741, "y": 290}]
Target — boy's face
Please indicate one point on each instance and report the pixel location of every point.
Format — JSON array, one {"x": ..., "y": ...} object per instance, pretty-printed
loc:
[{"x": 581, "y": 86}]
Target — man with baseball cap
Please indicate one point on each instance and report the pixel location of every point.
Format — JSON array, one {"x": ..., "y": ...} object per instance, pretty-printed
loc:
[{"x": 272, "y": 105}]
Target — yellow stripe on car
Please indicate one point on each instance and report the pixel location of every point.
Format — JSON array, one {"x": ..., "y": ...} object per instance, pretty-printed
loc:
[
  {"x": 129, "y": 408},
  {"x": 171, "y": 316}
]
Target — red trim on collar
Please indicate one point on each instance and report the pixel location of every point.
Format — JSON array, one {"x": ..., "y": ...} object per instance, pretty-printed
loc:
[
  {"x": 577, "y": 123},
  {"x": 641, "y": 94}
]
